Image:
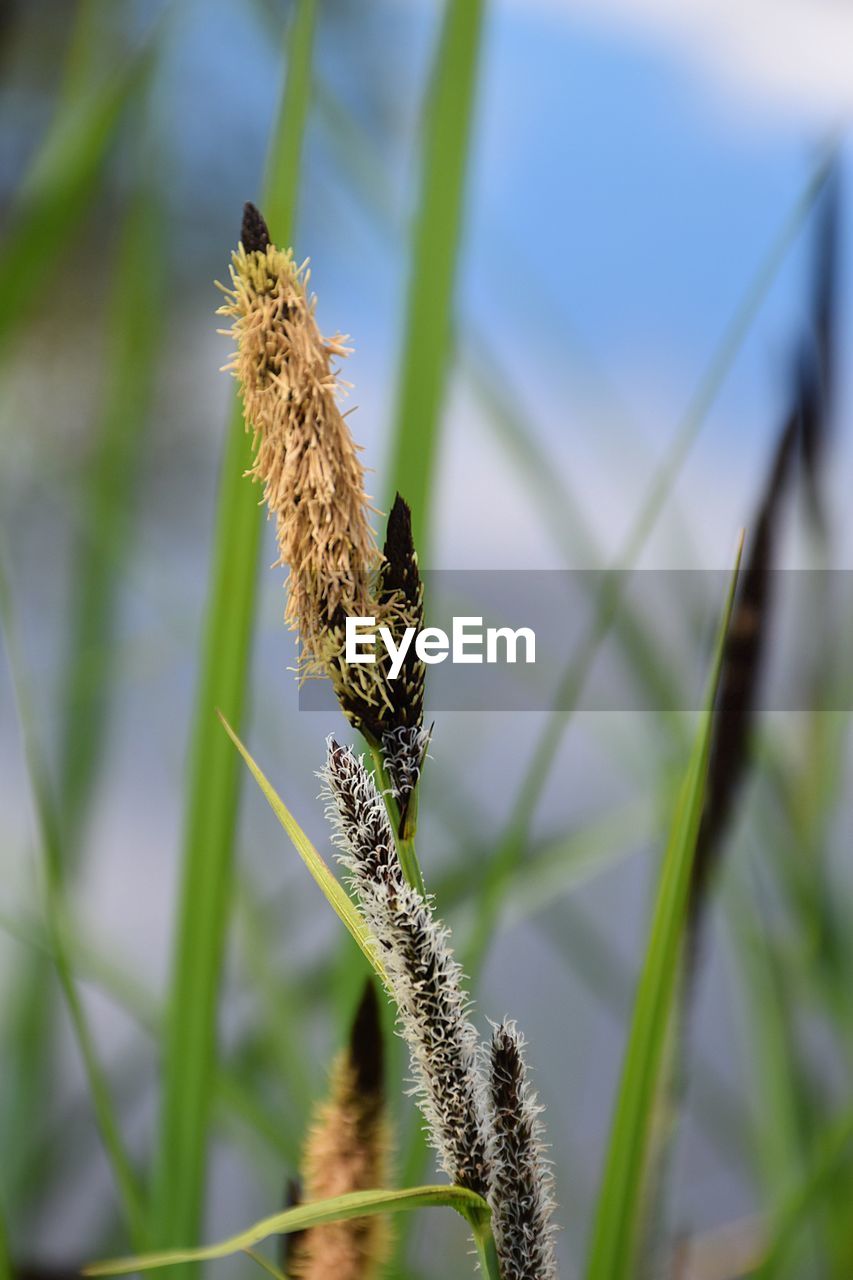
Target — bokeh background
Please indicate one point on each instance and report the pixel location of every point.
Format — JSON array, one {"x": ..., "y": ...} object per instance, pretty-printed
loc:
[{"x": 639, "y": 226}]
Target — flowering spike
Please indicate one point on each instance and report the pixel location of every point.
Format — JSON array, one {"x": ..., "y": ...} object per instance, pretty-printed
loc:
[
  {"x": 433, "y": 1010},
  {"x": 347, "y": 1151},
  {"x": 522, "y": 1185},
  {"x": 305, "y": 456}
]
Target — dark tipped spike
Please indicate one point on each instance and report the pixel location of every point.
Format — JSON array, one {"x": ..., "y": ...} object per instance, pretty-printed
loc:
[
  {"x": 254, "y": 233},
  {"x": 820, "y": 367},
  {"x": 366, "y": 1047},
  {"x": 742, "y": 668}
]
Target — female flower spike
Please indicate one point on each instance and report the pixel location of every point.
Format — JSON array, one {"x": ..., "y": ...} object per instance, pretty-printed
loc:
[
  {"x": 305, "y": 456},
  {"x": 425, "y": 979},
  {"x": 521, "y": 1196},
  {"x": 347, "y": 1150}
]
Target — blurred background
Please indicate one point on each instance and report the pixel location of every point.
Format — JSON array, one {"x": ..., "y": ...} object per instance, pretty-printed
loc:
[{"x": 624, "y": 204}]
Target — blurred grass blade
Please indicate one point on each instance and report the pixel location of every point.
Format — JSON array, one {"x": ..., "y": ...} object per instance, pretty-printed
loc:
[
  {"x": 83, "y": 51},
  {"x": 135, "y": 324},
  {"x": 435, "y": 246},
  {"x": 336, "y": 895},
  {"x": 6, "y": 1272},
  {"x": 50, "y": 839},
  {"x": 357, "y": 1204},
  {"x": 618, "y": 1212},
  {"x": 265, "y": 1264},
  {"x": 58, "y": 188},
  {"x": 829, "y": 1162},
  {"x": 213, "y": 783},
  {"x": 135, "y": 327}
]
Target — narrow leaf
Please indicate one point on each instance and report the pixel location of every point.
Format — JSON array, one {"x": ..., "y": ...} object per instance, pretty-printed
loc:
[
  {"x": 336, "y": 895},
  {"x": 618, "y": 1216},
  {"x": 358, "y": 1204}
]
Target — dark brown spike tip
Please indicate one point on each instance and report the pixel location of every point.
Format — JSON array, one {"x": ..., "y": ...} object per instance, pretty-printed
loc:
[
  {"x": 366, "y": 1047},
  {"x": 400, "y": 572},
  {"x": 254, "y": 233},
  {"x": 398, "y": 535}
]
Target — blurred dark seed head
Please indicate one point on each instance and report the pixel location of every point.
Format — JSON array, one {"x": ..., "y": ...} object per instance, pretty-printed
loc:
[
  {"x": 818, "y": 361},
  {"x": 254, "y": 233},
  {"x": 366, "y": 1046},
  {"x": 394, "y": 723},
  {"x": 743, "y": 661}
]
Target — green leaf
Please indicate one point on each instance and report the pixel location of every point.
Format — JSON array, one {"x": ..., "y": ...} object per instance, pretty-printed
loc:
[
  {"x": 620, "y": 1202},
  {"x": 435, "y": 249},
  {"x": 357, "y": 1204},
  {"x": 336, "y": 895}
]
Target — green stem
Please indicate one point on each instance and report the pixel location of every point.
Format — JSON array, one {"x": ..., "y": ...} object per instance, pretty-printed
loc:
[
  {"x": 487, "y": 1254},
  {"x": 405, "y": 843}
]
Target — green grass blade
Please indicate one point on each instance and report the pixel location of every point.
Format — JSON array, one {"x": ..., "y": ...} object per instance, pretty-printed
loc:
[
  {"x": 336, "y": 895},
  {"x": 357, "y": 1204},
  {"x": 833, "y": 1153},
  {"x": 265, "y": 1264},
  {"x": 619, "y": 1208},
  {"x": 50, "y": 839},
  {"x": 91, "y": 966},
  {"x": 58, "y": 189},
  {"x": 82, "y": 54},
  {"x": 435, "y": 248},
  {"x": 136, "y": 324},
  {"x": 213, "y": 786},
  {"x": 6, "y": 1271}
]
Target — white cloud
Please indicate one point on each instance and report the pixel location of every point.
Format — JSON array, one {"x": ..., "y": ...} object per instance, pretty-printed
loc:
[{"x": 795, "y": 54}]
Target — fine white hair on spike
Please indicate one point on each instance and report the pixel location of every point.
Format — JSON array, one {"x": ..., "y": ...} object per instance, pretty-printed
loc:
[
  {"x": 361, "y": 831},
  {"x": 425, "y": 979},
  {"x": 403, "y": 752},
  {"x": 521, "y": 1196}
]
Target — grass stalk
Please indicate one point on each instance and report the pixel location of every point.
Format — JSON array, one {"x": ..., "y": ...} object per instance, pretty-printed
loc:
[
  {"x": 213, "y": 785},
  {"x": 435, "y": 250}
]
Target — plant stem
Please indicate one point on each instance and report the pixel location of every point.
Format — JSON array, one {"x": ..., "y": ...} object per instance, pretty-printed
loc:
[
  {"x": 487, "y": 1254},
  {"x": 405, "y": 844}
]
